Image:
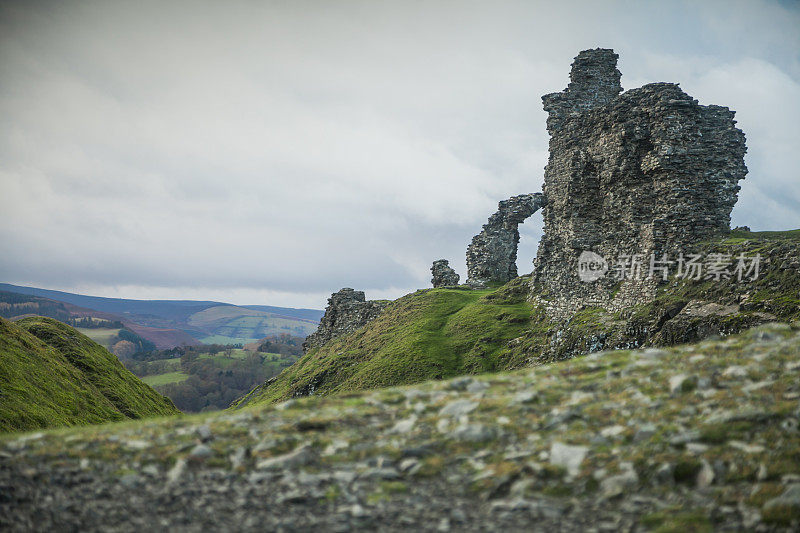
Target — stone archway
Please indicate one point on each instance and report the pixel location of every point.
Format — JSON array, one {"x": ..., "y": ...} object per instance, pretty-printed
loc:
[{"x": 492, "y": 254}]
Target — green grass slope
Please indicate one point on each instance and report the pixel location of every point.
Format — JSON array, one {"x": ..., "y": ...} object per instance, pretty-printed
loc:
[
  {"x": 440, "y": 333},
  {"x": 51, "y": 375},
  {"x": 430, "y": 334}
]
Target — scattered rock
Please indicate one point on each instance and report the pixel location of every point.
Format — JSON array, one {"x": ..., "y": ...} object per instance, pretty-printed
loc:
[
  {"x": 458, "y": 408},
  {"x": 204, "y": 433},
  {"x": 526, "y": 396},
  {"x": 789, "y": 499},
  {"x": 473, "y": 433},
  {"x": 404, "y": 426},
  {"x": 612, "y": 431},
  {"x": 568, "y": 456},
  {"x": 682, "y": 383},
  {"x": 303, "y": 455},
  {"x": 200, "y": 452},
  {"x": 706, "y": 475},
  {"x": 620, "y": 484}
]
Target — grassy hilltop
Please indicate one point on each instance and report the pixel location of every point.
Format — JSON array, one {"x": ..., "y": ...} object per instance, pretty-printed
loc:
[
  {"x": 51, "y": 375},
  {"x": 445, "y": 332},
  {"x": 429, "y": 334}
]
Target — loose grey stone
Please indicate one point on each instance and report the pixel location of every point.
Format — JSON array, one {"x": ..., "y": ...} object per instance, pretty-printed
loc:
[
  {"x": 301, "y": 456},
  {"x": 201, "y": 452},
  {"x": 458, "y": 408},
  {"x": 568, "y": 456},
  {"x": 789, "y": 498},
  {"x": 523, "y": 397},
  {"x": 620, "y": 484},
  {"x": 204, "y": 432},
  {"x": 473, "y": 433},
  {"x": 460, "y": 384},
  {"x": 404, "y": 426}
]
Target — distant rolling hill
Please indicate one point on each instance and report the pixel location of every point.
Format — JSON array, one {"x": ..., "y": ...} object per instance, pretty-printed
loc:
[
  {"x": 308, "y": 314},
  {"x": 170, "y": 323},
  {"x": 231, "y": 324},
  {"x": 160, "y": 308}
]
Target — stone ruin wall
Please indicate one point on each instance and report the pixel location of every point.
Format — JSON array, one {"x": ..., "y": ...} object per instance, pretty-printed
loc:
[
  {"x": 347, "y": 311},
  {"x": 443, "y": 275},
  {"x": 492, "y": 254},
  {"x": 640, "y": 172},
  {"x": 647, "y": 170}
]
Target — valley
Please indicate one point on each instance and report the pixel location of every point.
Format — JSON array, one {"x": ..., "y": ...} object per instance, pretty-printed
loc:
[{"x": 164, "y": 323}]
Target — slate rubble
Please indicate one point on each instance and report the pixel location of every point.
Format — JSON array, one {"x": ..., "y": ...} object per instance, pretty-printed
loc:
[{"x": 555, "y": 446}]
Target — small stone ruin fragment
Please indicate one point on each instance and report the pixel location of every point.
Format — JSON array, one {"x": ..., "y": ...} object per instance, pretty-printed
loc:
[{"x": 443, "y": 275}]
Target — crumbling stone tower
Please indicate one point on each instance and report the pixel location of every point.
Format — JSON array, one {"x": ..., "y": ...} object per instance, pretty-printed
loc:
[{"x": 640, "y": 172}]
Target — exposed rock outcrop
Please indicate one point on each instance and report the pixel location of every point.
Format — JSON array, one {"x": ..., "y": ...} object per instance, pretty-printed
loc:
[
  {"x": 443, "y": 274},
  {"x": 646, "y": 171},
  {"x": 492, "y": 254},
  {"x": 347, "y": 311}
]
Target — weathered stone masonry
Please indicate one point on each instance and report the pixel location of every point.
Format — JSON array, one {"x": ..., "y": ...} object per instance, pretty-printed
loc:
[
  {"x": 347, "y": 311},
  {"x": 443, "y": 275},
  {"x": 492, "y": 254},
  {"x": 640, "y": 172},
  {"x": 648, "y": 170}
]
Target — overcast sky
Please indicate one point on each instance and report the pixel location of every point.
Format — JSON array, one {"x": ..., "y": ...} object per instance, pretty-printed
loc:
[{"x": 274, "y": 152}]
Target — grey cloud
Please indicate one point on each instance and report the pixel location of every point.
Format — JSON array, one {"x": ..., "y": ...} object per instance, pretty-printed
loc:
[{"x": 284, "y": 150}]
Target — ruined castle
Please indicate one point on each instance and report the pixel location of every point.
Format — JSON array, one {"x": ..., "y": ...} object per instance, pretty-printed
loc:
[
  {"x": 647, "y": 171},
  {"x": 642, "y": 173}
]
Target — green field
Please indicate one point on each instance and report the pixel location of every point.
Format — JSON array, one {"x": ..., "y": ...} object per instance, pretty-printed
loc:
[
  {"x": 102, "y": 336},
  {"x": 236, "y": 325},
  {"x": 165, "y": 379},
  {"x": 174, "y": 363},
  {"x": 236, "y": 353},
  {"x": 225, "y": 339},
  {"x": 172, "y": 373}
]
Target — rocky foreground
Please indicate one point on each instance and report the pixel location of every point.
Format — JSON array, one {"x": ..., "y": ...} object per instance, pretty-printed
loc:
[{"x": 694, "y": 438}]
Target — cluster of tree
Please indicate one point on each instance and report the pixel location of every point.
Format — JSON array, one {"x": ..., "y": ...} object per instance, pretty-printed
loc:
[
  {"x": 180, "y": 351},
  {"x": 283, "y": 344},
  {"x": 214, "y": 381},
  {"x": 140, "y": 345},
  {"x": 91, "y": 322},
  {"x": 13, "y": 305}
]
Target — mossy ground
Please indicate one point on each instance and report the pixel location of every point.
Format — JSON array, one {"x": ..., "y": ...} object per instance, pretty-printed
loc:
[
  {"x": 405, "y": 445},
  {"x": 51, "y": 375},
  {"x": 430, "y": 334},
  {"x": 440, "y": 333}
]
